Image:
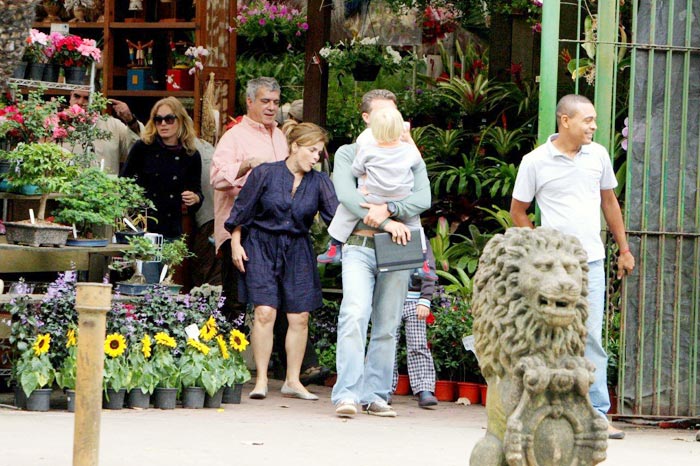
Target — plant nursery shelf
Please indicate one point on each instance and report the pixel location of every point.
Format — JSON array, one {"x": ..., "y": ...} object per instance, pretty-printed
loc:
[
  {"x": 161, "y": 93},
  {"x": 164, "y": 25},
  {"x": 48, "y": 85},
  {"x": 76, "y": 25}
]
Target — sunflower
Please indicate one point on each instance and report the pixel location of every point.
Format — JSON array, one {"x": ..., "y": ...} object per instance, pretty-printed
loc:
[
  {"x": 164, "y": 339},
  {"x": 115, "y": 345},
  {"x": 209, "y": 330},
  {"x": 70, "y": 338},
  {"x": 41, "y": 344},
  {"x": 237, "y": 340},
  {"x": 222, "y": 346},
  {"x": 201, "y": 347},
  {"x": 146, "y": 346}
]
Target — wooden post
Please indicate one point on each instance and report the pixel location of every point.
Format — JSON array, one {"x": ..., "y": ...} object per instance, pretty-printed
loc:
[
  {"x": 92, "y": 301},
  {"x": 316, "y": 74}
]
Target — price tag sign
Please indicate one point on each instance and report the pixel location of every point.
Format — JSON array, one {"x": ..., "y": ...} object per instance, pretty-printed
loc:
[
  {"x": 192, "y": 332},
  {"x": 468, "y": 343}
]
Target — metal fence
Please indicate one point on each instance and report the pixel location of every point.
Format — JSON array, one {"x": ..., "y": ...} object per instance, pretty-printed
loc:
[{"x": 660, "y": 93}]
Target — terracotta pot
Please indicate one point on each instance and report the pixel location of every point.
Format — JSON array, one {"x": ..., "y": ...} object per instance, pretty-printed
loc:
[
  {"x": 446, "y": 390},
  {"x": 484, "y": 390},
  {"x": 403, "y": 386},
  {"x": 469, "y": 390}
]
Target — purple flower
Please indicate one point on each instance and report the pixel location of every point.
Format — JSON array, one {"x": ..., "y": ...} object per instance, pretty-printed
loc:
[
  {"x": 180, "y": 316},
  {"x": 304, "y": 26},
  {"x": 625, "y": 133}
]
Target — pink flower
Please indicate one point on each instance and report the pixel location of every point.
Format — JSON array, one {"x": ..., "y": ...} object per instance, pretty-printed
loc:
[
  {"x": 304, "y": 26},
  {"x": 59, "y": 133},
  {"x": 262, "y": 22}
]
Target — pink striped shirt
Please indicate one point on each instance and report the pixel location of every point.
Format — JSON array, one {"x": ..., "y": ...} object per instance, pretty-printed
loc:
[{"x": 247, "y": 139}]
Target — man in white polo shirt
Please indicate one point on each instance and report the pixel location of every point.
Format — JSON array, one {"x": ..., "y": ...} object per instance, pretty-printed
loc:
[{"x": 571, "y": 178}]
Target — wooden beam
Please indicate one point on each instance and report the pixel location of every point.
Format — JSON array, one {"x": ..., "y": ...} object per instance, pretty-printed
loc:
[{"x": 316, "y": 74}]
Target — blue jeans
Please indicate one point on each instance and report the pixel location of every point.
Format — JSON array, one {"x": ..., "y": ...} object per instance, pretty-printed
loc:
[
  {"x": 367, "y": 295},
  {"x": 600, "y": 399}
]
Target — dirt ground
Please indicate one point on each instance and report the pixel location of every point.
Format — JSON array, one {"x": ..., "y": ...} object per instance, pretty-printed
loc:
[{"x": 281, "y": 431}]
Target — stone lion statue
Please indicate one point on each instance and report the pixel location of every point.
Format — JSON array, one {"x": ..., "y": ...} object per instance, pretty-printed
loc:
[{"x": 530, "y": 308}]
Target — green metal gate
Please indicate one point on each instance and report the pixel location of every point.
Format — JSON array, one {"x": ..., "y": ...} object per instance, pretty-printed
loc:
[{"x": 660, "y": 321}]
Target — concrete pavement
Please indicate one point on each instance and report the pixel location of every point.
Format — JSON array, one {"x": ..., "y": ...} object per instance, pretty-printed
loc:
[{"x": 280, "y": 431}]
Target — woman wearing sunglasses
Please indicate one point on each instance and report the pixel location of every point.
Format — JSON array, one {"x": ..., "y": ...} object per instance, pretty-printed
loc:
[
  {"x": 270, "y": 242},
  {"x": 166, "y": 163}
]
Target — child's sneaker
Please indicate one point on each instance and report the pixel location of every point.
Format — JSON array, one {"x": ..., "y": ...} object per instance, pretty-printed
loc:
[
  {"x": 333, "y": 255},
  {"x": 425, "y": 273}
]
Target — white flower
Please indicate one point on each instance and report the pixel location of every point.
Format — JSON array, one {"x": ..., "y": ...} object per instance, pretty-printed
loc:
[
  {"x": 325, "y": 52},
  {"x": 395, "y": 56},
  {"x": 368, "y": 40}
]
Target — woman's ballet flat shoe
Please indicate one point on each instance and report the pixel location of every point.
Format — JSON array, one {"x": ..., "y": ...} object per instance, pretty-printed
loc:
[
  {"x": 291, "y": 393},
  {"x": 258, "y": 395}
]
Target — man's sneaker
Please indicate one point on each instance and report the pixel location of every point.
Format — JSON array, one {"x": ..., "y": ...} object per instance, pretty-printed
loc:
[
  {"x": 345, "y": 408},
  {"x": 425, "y": 273},
  {"x": 379, "y": 408},
  {"x": 426, "y": 399},
  {"x": 333, "y": 256}
]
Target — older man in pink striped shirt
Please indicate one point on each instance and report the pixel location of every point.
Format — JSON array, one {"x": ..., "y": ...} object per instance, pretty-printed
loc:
[{"x": 255, "y": 140}]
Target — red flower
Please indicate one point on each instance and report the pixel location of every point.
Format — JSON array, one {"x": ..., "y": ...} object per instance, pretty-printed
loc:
[{"x": 430, "y": 320}]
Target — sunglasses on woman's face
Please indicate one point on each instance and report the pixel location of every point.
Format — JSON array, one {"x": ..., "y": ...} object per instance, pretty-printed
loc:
[{"x": 168, "y": 119}]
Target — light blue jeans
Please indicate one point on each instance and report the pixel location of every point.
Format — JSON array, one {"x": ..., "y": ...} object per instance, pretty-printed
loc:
[
  {"x": 367, "y": 296},
  {"x": 600, "y": 399}
]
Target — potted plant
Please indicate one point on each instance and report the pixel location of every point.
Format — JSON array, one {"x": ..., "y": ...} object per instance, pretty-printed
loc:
[
  {"x": 166, "y": 370},
  {"x": 96, "y": 199},
  {"x": 185, "y": 65},
  {"x": 235, "y": 371},
  {"x": 67, "y": 373},
  {"x": 144, "y": 256},
  {"x": 363, "y": 57},
  {"x": 193, "y": 363},
  {"x": 264, "y": 27},
  {"x": 48, "y": 167},
  {"x": 142, "y": 374},
  {"x": 36, "y": 53},
  {"x": 116, "y": 373},
  {"x": 172, "y": 255},
  {"x": 35, "y": 374},
  {"x": 75, "y": 54}
]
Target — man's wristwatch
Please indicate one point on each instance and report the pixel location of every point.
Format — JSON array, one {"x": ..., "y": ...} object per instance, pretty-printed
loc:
[
  {"x": 391, "y": 207},
  {"x": 133, "y": 120}
]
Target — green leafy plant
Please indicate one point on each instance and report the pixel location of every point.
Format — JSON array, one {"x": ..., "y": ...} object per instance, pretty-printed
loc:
[
  {"x": 142, "y": 374},
  {"x": 272, "y": 21},
  {"x": 66, "y": 375},
  {"x": 193, "y": 362},
  {"x": 457, "y": 179},
  {"x": 45, "y": 165},
  {"x": 141, "y": 248},
  {"x": 500, "y": 177},
  {"x": 366, "y": 50},
  {"x": 24, "y": 117},
  {"x": 33, "y": 369},
  {"x": 173, "y": 253},
  {"x": 95, "y": 198},
  {"x": 164, "y": 364},
  {"x": 448, "y": 323}
]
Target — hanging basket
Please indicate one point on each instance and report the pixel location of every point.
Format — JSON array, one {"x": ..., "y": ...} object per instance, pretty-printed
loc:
[
  {"x": 16, "y": 18},
  {"x": 366, "y": 71}
]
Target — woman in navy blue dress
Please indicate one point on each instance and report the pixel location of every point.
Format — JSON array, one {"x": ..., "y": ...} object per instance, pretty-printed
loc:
[{"x": 271, "y": 246}]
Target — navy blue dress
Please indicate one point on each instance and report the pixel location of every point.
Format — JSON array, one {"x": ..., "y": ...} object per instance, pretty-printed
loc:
[{"x": 281, "y": 268}]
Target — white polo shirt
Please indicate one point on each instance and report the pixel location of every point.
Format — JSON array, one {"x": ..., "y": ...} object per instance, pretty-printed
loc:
[{"x": 567, "y": 190}]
